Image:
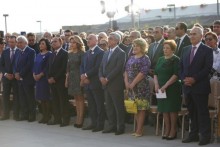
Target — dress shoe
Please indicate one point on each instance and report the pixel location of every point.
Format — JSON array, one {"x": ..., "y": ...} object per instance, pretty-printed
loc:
[
  {"x": 16, "y": 117},
  {"x": 204, "y": 141},
  {"x": 31, "y": 119},
  {"x": 190, "y": 139},
  {"x": 23, "y": 118},
  {"x": 53, "y": 123},
  {"x": 4, "y": 118},
  {"x": 138, "y": 135},
  {"x": 88, "y": 128},
  {"x": 121, "y": 132},
  {"x": 109, "y": 130},
  {"x": 78, "y": 125},
  {"x": 133, "y": 134},
  {"x": 172, "y": 137},
  {"x": 97, "y": 129},
  {"x": 64, "y": 124},
  {"x": 164, "y": 137}
]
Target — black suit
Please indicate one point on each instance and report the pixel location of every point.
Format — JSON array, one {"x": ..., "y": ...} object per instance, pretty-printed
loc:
[
  {"x": 158, "y": 53},
  {"x": 95, "y": 95},
  {"x": 7, "y": 68},
  {"x": 184, "y": 43},
  {"x": 197, "y": 94},
  {"x": 113, "y": 70},
  {"x": 57, "y": 70}
]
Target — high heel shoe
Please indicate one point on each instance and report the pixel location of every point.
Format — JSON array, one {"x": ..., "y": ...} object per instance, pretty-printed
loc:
[
  {"x": 138, "y": 135},
  {"x": 78, "y": 125},
  {"x": 172, "y": 138},
  {"x": 133, "y": 134}
]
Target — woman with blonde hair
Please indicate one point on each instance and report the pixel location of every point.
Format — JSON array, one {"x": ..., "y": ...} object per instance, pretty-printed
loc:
[
  {"x": 75, "y": 55},
  {"x": 136, "y": 82}
]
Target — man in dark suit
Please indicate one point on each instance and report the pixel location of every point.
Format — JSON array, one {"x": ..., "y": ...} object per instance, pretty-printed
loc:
[
  {"x": 56, "y": 79},
  {"x": 216, "y": 29},
  {"x": 156, "y": 49},
  {"x": 9, "y": 82},
  {"x": 24, "y": 75},
  {"x": 89, "y": 76},
  {"x": 183, "y": 39},
  {"x": 111, "y": 76},
  {"x": 196, "y": 64},
  {"x": 32, "y": 43}
]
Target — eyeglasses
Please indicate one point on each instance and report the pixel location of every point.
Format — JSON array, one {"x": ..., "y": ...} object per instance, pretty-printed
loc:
[{"x": 208, "y": 39}]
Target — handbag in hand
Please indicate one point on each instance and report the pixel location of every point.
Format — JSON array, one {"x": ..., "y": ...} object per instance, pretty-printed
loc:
[{"x": 130, "y": 105}]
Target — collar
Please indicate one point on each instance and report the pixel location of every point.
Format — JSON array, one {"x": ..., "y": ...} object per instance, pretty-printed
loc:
[
  {"x": 158, "y": 42},
  {"x": 197, "y": 45},
  {"x": 24, "y": 49},
  {"x": 92, "y": 49},
  {"x": 58, "y": 50},
  {"x": 181, "y": 38},
  {"x": 13, "y": 49},
  {"x": 113, "y": 49}
]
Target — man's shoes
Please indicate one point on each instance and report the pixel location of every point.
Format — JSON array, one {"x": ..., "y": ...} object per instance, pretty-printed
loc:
[
  {"x": 204, "y": 141},
  {"x": 97, "y": 129},
  {"x": 31, "y": 119},
  {"x": 53, "y": 123},
  {"x": 4, "y": 118},
  {"x": 64, "y": 124},
  {"x": 23, "y": 118},
  {"x": 119, "y": 132},
  {"x": 190, "y": 139},
  {"x": 113, "y": 130},
  {"x": 88, "y": 128}
]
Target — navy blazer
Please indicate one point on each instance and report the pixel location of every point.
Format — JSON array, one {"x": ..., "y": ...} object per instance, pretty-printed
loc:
[
  {"x": 113, "y": 69},
  {"x": 199, "y": 69},
  {"x": 7, "y": 66},
  {"x": 90, "y": 65},
  {"x": 24, "y": 65},
  {"x": 184, "y": 43}
]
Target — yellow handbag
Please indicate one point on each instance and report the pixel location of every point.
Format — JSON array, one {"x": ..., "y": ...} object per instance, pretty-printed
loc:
[{"x": 131, "y": 106}]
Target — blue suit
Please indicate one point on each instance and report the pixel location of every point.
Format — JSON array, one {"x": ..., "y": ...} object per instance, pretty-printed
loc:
[
  {"x": 197, "y": 94},
  {"x": 90, "y": 67},
  {"x": 24, "y": 66},
  {"x": 7, "y": 68}
]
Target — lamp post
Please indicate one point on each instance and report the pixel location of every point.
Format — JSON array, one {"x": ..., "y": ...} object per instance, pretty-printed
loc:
[
  {"x": 5, "y": 15},
  {"x": 218, "y": 8},
  {"x": 40, "y": 26},
  {"x": 174, "y": 9}
]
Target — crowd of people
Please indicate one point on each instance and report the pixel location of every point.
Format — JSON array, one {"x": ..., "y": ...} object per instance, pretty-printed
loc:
[{"x": 102, "y": 68}]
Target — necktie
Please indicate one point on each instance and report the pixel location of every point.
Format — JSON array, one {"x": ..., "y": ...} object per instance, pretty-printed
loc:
[
  {"x": 178, "y": 45},
  {"x": 110, "y": 53},
  {"x": 54, "y": 56},
  {"x": 12, "y": 54},
  {"x": 192, "y": 53},
  {"x": 155, "y": 48}
]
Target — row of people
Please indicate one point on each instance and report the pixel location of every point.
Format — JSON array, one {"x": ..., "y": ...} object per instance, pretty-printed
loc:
[{"x": 97, "y": 69}]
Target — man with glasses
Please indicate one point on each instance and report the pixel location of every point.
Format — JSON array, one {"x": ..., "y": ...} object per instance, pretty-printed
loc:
[
  {"x": 216, "y": 29},
  {"x": 183, "y": 39}
]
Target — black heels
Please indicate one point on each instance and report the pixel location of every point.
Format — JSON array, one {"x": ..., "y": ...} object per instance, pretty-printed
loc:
[
  {"x": 172, "y": 138},
  {"x": 78, "y": 125}
]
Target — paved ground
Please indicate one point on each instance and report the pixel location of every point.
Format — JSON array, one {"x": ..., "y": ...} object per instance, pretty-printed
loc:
[{"x": 25, "y": 134}]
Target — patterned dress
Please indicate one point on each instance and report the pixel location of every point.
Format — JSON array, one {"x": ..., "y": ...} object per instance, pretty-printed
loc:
[
  {"x": 141, "y": 91},
  {"x": 73, "y": 68},
  {"x": 42, "y": 86}
]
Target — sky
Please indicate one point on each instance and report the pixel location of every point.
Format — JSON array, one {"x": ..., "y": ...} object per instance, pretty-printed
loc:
[{"x": 53, "y": 14}]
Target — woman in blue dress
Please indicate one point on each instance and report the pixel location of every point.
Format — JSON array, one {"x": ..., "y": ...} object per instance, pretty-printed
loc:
[{"x": 42, "y": 92}]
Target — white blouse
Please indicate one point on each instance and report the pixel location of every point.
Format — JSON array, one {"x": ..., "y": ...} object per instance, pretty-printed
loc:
[{"x": 216, "y": 60}]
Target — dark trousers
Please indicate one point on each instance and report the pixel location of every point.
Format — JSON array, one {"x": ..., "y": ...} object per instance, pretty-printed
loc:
[
  {"x": 8, "y": 86},
  {"x": 60, "y": 102},
  {"x": 199, "y": 115},
  {"x": 27, "y": 100},
  {"x": 115, "y": 108},
  {"x": 96, "y": 107}
]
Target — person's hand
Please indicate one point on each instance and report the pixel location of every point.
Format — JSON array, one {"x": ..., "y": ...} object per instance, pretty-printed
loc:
[
  {"x": 189, "y": 81},
  {"x": 163, "y": 88},
  {"x": 157, "y": 87},
  {"x": 127, "y": 85},
  {"x": 9, "y": 76},
  {"x": 86, "y": 81},
  {"x": 83, "y": 77},
  {"x": 103, "y": 81},
  {"x": 131, "y": 86},
  {"x": 51, "y": 80},
  {"x": 17, "y": 76}
]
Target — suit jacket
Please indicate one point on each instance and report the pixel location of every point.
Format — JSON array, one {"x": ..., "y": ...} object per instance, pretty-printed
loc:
[
  {"x": 24, "y": 65},
  {"x": 184, "y": 43},
  {"x": 90, "y": 65},
  {"x": 57, "y": 65},
  {"x": 6, "y": 63},
  {"x": 158, "y": 53},
  {"x": 113, "y": 69},
  {"x": 199, "y": 69}
]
